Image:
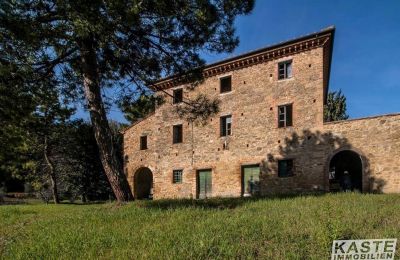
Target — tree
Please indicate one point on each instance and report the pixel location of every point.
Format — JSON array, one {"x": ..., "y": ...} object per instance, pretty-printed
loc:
[
  {"x": 87, "y": 180},
  {"x": 335, "y": 108},
  {"x": 75, "y": 169},
  {"x": 47, "y": 129},
  {"x": 139, "y": 108},
  {"x": 16, "y": 107},
  {"x": 91, "y": 45}
]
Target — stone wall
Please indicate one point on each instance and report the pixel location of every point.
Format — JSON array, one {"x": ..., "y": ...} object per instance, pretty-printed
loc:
[
  {"x": 256, "y": 139},
  {"x": 377, "y": 140}
]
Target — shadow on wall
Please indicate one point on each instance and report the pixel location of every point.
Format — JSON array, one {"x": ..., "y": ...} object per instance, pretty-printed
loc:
[{"x": 313, "y": 152}]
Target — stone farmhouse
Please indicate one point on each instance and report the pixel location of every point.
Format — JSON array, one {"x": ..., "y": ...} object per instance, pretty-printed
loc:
[{"x": 269, "y": 136}]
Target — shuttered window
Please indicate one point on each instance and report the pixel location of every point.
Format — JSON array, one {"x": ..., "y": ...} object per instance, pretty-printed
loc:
[
  {"x": 285, "y": 115},
  {"x": 177, "y": 134},
  {"x": 178, "y": 96},
  {"x": 226, "y": 125},
  {"x": 143, "y": 142},
  {"x": 285, "y": 168},
  {"x": 285, "y": 70},
  {"x": 225, "y": 84}
]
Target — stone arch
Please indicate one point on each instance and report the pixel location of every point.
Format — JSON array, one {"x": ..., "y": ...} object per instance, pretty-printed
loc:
[
  {"x": 143, "y": 183},
  {"x": 346, "y": 170}
]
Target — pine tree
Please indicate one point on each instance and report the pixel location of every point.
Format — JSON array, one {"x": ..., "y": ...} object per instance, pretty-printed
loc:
[
  {"x": 91, "y": 45},
  {"x": 335, "y": 108}
]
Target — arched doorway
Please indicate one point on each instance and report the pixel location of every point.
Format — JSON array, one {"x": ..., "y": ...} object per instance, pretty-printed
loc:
[
  {"x": 143, "y": 184},
  {"x": 345, "y": 171}
]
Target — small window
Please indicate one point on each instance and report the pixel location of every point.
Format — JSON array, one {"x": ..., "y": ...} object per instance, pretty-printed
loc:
[
  {"x": 285, "y": 70},
  {"x": 285, "y": 168},
  {"x": 177, "y": 176},
  {"x": 178, "y": 96},
  {"x": 225, "y": 84},
  {"x": 226, "y": 125},
  {"x": 143, "y": 142},
  {"x": 177, "y": 134},
  {"x": 285, "y": 115}
]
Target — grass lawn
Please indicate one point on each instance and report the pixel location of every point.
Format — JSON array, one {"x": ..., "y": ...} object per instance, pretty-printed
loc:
[{"x": 269, "y": 228}]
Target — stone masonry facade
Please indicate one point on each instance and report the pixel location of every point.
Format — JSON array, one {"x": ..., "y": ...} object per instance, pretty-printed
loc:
[{"x": 256, "y": 92}]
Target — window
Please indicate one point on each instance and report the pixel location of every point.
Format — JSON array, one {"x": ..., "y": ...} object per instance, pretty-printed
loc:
[
  {"x": 178, "y": 96},
  {"x": 285, "y": 168},
  {"x": 177, "y": 134},
  {"x": 285, "y": 115},
  {"x": 225, "y": 84},
  {"x": 143, "y": 142},
  {"x": 285, "y": 70},
  {"x": 226, "y": 125},
  {"x": 177, "y": 176}
]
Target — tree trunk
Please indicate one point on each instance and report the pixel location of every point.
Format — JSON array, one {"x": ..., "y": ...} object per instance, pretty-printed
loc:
[
  {"x": 52, "y": 175},
  {"x": 112, "y": 166}
]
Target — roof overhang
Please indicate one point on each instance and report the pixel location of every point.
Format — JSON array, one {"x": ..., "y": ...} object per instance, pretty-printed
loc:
[{"x": 323, "y": 38}]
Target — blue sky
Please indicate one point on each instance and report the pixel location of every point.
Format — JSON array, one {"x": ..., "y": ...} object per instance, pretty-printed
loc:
[{"x": 366, "y": 55}]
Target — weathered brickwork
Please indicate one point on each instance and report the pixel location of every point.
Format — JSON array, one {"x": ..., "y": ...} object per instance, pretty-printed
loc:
[
  {"x": 257, "y": 140},
  {"x": 377, "y": 140}
]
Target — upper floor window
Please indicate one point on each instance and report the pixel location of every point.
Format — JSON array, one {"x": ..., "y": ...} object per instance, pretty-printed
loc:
[
  {"x": 178, "y": 96},
  {"x": 285, "y": 69},
  {"x": 285, "y": 168},
  {"x": 143, "y": 142},
  {"x": 225, "y": 84},
  {"x": 177, "y": 134},
  {"x": 177, "y": 176},
  {"x": 285, "y": 115},
  {"x": 226, "y": 125}
]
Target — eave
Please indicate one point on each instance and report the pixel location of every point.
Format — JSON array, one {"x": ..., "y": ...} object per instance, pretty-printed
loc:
[{"x": 323, "y": 38}]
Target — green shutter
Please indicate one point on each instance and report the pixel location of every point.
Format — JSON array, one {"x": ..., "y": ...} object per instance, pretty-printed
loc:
[{"x": 205, "y": 184}]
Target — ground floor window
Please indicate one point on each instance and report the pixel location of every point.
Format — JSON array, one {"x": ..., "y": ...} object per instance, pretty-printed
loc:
[
  {"x": 177, "y": 176},
  {"x": 285, "y": 168}
]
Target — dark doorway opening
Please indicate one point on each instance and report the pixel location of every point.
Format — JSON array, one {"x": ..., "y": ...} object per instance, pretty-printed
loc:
[
  {"x": 345, "y": 172},
  {"x": 143, "y": 186}
]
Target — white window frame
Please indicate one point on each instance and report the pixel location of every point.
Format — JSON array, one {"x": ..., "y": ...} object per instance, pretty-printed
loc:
[{"x": 287, "y": 70}]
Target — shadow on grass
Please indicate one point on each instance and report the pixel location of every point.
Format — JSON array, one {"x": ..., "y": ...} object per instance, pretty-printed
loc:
[
  {"x": 34, "y": 201},
  {"x": 216, "y": 203}
]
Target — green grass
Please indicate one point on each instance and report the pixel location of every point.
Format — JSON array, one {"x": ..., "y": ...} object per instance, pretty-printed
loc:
[{"x": 272, "y": 228}]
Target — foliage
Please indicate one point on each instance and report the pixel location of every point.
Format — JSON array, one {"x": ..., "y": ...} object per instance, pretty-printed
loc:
[
  {"x": 16, "y": 107},
  {"x": 139, "y": 40},
  {"x": 137, "y": 109},
  {"x": 31, "y": 115},
  {"x": 335, "y": 108},
  {"x": 300, "y": 227},
  {"x": 86, "y": 180},
  {"x": 199, "y": 109},
  {"x": 91, "y": 45},
  {"x": 77, "y": 168}
]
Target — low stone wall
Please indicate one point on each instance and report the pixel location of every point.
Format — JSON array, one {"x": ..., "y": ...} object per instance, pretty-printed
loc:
[{"x": 377, "y": 140}]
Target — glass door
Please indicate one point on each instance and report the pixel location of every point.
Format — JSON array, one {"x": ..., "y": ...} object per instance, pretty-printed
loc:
[{"x": 251, "y": 180}]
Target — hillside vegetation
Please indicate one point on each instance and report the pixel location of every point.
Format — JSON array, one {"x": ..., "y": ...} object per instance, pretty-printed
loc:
[{"x": 270, "y": 228}]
